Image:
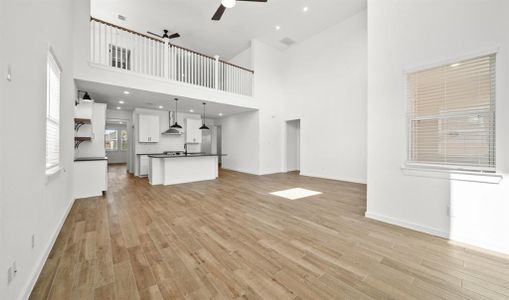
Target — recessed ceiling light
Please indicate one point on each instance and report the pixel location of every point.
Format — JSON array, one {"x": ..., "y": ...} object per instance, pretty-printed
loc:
[
  {"x": 278, "y": 27},
  {"x": 305, "y": 9},
  {"x": 126, "y": 92},
  {"x": 191, "y": 110},
  {"x": 220, "y": 114},
  {"x": 455, "y": 65},
  {"x": 121, "y": 101},
  {"x": 161, "y": 107},
  {"x": 228, "y": 3},
  {"x": 118, "y": 107}
]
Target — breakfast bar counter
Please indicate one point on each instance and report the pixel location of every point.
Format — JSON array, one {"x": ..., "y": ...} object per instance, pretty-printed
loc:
[{"x": 185, "y": 168}]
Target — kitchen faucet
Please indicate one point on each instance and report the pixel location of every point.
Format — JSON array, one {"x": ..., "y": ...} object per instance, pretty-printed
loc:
[{"x": 185, "y": 148}]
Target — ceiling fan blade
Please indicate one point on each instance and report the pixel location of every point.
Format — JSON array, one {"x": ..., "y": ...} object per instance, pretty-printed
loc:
[
  {"x": 254, "y": 0},
  {"x": 154, "y": 34},
  {"x": 174, "y": 36},
  {"x": 219, "y": 13}
]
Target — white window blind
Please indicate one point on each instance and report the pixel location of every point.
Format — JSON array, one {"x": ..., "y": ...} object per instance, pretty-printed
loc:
[
  {"x": 452, "y": 115},
  {"x": 52, "y": 115}
]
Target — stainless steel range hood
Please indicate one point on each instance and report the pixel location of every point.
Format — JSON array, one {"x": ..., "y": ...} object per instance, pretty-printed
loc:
[{"x": 172, "y": 131}]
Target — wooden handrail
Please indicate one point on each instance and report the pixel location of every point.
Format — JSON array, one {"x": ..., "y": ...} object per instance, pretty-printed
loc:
[
  {"x": 239, "y": 67},
  {"x": 160, "y": 41},
  {"x": 125, "y": 29}
]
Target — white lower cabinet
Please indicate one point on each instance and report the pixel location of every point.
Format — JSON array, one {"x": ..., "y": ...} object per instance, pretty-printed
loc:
[
  {"x": 144, "y": 165},
  {"x": 90, "y": 178}
]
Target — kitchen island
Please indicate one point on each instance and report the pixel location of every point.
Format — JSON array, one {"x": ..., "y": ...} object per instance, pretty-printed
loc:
[{"x": 184, "y": 168}]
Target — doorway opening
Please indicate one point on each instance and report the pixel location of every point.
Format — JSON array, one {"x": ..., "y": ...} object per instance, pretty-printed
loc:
[
  {"x": 116, "y": 142},
  {"x": 293, "y": 145}
]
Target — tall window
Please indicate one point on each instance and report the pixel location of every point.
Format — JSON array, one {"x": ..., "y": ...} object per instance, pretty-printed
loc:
[
  {"x": 52, "y": 115},
  {"x": 115, "y": 140},
  {"x": 452, "y": 115},
  {"x": 111, "y": 139}
]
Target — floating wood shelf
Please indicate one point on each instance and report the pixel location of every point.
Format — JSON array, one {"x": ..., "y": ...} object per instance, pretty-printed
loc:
[
  {"x": 80, "y": 139},
  {"x": 80, "y": 122}
]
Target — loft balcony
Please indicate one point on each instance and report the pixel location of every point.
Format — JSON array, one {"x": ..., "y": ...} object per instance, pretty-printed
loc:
[{"x": 123, "y": 50}]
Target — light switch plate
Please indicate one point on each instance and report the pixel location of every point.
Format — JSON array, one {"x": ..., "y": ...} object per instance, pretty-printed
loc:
[{"x": 9, "y": 73}]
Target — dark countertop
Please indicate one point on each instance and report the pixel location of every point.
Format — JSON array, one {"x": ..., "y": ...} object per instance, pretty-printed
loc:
[
  {"x": 91, "y": 158},
  {"x": 186, "y": 156}
]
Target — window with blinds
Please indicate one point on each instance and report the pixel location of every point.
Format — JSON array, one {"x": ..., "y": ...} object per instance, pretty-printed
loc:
[
  {"x": 452, "y": 115},
  {"x": 52, "y": 115}
]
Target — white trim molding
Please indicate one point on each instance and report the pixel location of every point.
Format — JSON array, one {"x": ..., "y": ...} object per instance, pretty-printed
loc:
[{"x": 406, "y": 224}]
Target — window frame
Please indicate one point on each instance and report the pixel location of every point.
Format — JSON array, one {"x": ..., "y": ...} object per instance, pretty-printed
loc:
[
  {"x": 121, "y": 142},
  {"x": 442, "y": 167},
  {"x": 116, "y": 140},
  {"x": 52, "y": 59}
]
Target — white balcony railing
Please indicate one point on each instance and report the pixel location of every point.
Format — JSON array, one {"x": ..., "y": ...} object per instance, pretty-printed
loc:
[{"x": 124, "y": 49}]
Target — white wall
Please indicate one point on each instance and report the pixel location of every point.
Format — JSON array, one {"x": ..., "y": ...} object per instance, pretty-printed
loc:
[
  {"x": 405, "y": 34},
  {"x": 323, "y": 82},
  {"x": 243, "y": 59},
  {"x": 268, "y": 94},
  {"x": 28, "y": 203},
  {"x": 240, "y": 137},
  {"x": 326, "y": 87}
]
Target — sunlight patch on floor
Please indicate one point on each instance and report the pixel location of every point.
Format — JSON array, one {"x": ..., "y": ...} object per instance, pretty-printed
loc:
[{"x": 296, "y": 193}]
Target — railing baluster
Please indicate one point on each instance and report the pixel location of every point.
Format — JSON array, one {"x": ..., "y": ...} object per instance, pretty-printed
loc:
[{"x": 121, "y": 48}]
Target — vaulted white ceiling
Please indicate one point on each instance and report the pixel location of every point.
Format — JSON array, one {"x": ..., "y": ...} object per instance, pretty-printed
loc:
[{"x": 231, "y": 35}]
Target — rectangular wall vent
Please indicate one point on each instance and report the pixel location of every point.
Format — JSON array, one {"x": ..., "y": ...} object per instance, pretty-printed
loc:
[{"x": 287, "y": 41}]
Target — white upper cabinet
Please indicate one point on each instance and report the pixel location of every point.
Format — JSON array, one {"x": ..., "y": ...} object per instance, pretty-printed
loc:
[
  {"x": 84, "y": 110},
  {"x": 193, "y": 132},
  {"x": 148, "y": 129}
]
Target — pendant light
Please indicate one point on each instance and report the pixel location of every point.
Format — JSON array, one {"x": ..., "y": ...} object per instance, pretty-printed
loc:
[
  {"x": 176, "y": 125},
  {"x": 203, "y": 126}
]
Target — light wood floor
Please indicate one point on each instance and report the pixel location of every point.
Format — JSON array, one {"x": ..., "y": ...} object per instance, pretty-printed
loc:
[{"x": 230, "y": 239}]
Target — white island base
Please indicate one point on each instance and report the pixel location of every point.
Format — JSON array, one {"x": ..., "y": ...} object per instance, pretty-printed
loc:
[{"x": 182, "y": 169}]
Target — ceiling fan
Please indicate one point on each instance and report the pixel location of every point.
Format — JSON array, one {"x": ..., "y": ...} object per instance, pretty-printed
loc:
[
  {"x": 228, "y": 4},
  {"x": 165, "y": 35}
]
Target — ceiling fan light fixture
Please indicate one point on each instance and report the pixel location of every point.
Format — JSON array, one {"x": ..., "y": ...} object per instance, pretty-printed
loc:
[{"x": 228, "y": 3}]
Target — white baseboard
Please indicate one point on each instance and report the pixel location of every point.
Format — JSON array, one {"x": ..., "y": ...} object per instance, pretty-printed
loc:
[
  {"x": 270, "y": 172},
  {"x": 40, "y": 264},
  {"x": 406, "y": 224},
  {"x": 332, "y": 178},
  {"x": 238, "y": 170},
  {"x": 464, "y": 240}
]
